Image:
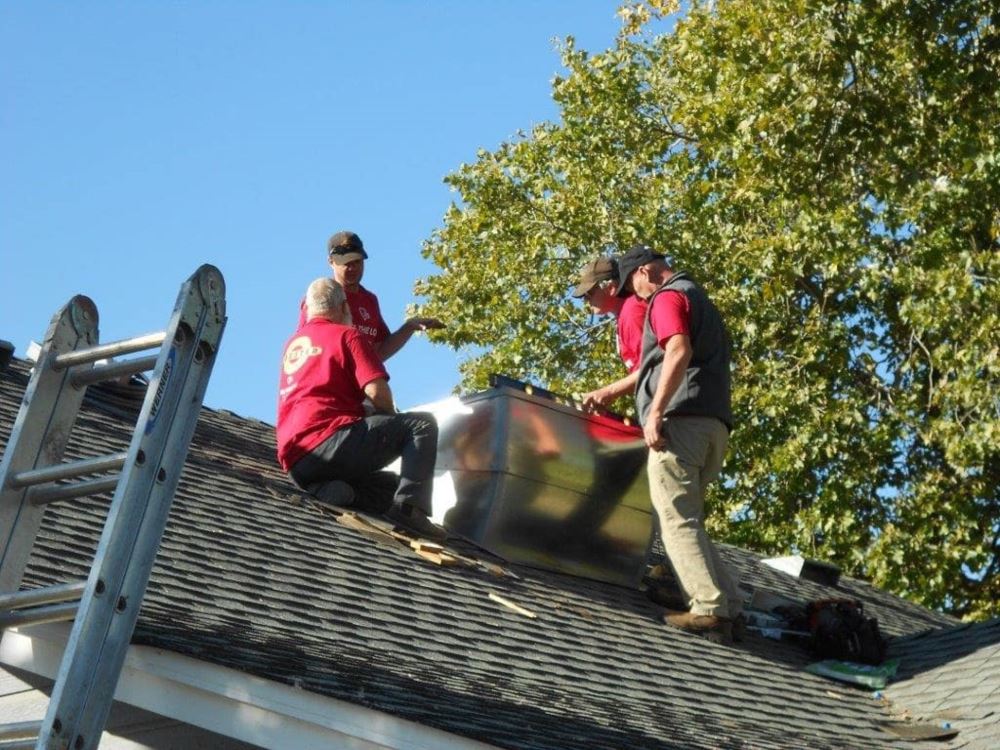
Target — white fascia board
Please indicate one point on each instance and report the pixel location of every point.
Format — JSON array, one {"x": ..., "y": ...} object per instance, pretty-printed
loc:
[{"x": 232, "y": 703}]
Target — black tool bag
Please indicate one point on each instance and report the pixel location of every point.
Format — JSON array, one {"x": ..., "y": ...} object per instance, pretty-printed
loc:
[{"x": 840, "y": 630}]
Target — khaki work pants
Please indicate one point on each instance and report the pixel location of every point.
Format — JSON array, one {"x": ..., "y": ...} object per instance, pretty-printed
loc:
[{"x": 678, "y": 478}]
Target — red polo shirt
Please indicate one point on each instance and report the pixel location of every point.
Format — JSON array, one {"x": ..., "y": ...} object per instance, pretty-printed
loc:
[
  {"x": 671, "y": 315},
  {"x": 631, "y": 319},
  {"x": 324, "y": 370}
]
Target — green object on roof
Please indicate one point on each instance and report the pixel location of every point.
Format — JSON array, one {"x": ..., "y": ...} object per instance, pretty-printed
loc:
[{"x": 856, "y": 674}]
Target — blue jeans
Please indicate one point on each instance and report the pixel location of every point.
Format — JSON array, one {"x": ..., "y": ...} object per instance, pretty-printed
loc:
[{"x": 356, "y": 453}]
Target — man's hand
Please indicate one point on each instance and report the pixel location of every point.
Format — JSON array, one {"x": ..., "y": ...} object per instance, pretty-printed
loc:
[
  {"x": 596, "y": 399},
  {"x": 423, "y": 324},
  {"x": 651, "y": 432},
  {"x": 676, "y": 355},
  {"x": 398, "y": 338}
]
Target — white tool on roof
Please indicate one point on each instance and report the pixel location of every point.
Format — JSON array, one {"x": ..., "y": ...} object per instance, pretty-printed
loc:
[{"x": 104, "y": 607}]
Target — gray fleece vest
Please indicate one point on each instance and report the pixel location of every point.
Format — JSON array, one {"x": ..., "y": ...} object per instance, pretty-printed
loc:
[{"x": 704, "y": 392}]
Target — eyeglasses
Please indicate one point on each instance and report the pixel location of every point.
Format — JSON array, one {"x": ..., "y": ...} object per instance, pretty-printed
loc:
[{"x": 602, "y": 285}]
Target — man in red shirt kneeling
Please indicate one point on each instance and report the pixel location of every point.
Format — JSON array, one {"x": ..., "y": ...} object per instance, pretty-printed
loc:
[{"x": 327, "y": 444}]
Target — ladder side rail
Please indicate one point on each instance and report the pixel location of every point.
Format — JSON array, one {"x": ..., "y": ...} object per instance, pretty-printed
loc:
[
  {"x": 40, "y": 433},
  {"x": 84, "y": 688}
]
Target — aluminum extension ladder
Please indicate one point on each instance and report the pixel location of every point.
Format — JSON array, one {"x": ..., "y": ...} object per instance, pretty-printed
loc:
[{"x": 105, "y": 607}]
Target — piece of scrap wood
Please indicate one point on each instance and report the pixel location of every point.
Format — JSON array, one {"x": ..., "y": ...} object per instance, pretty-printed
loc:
[
  {"x": 963, "y": 714},
  {"x": 438, "y": 558},
  {"x": 493, "y": 569},
  {"x": 913, "y": 731},
  {"x": 509, "y": 604},
  {"x": 418, "y": 546},
  {"x": 366, "y": 527},
  {"x": 435, "y": 557}
]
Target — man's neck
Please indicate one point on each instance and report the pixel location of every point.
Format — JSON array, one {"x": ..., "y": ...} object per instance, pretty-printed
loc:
[{"x": 328, "y": 317}]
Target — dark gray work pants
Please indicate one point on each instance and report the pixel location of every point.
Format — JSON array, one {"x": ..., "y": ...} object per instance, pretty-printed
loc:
[{"x": 355, "y": 453}]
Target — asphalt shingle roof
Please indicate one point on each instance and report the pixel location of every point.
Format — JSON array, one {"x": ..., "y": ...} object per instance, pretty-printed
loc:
[
  {"x": 952, "y": 676},
  {"x": 253, "y": 576}
]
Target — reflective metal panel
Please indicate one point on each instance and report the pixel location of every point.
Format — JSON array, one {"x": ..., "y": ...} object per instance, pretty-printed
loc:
[{"x": 544, "y": 484}]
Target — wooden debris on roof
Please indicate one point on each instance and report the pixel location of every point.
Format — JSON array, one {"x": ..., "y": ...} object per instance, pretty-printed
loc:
[
  {"x": 510, "y": 605},
  {"x": 435, "y": 553},
  {"x": 914, "y": 731},
  {"x": 365, "y": 527},
  {"x": 430, "y": 551}
]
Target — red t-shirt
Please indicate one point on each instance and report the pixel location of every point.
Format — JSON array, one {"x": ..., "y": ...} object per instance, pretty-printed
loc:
[
  {"x": 365, "y": 314},
  {"x": 671, "y": 315},
  {"x": 324, "y": 370},
  {"x": 631, "y": 319}
]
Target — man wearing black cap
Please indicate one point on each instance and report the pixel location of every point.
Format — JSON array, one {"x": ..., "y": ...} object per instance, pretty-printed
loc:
[
  {"x": 683, "y": 401},
  {"x": 346, "y": 254}
]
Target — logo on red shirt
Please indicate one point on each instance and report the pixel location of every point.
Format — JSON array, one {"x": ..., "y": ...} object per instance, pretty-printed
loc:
[{"x": 298, "y": 353}]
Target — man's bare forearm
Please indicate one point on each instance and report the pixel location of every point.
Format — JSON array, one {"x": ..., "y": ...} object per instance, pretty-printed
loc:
[
  {"x": 676, "y": 357},
  {"x": 394, "y": 342},
  {"x": 380, "y": 394},
  {"x": 608, "y": 393},
  {"x": 397, "y": 340}
]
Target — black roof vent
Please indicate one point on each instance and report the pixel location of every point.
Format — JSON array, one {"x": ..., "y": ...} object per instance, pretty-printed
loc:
[{"x": 6, "y": 353}]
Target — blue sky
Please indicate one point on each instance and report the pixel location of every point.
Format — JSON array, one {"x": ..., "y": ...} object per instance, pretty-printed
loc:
[{"x": 140, "y": 140}]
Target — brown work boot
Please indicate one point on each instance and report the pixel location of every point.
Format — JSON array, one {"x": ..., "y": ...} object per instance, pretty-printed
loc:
[{"x": 715, "y": 629}]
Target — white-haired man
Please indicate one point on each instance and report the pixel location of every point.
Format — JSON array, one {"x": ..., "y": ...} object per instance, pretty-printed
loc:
[{"x": 326, "y": 442}]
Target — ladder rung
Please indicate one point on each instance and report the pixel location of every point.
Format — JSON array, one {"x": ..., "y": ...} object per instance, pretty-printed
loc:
[
  {"x": 38, "y": 615},
  {"x": 33, "y": 597},
  {"x": 26, "y": 744},
  {"x": 112, "y": 370},
  {"x": 43, "y": 495},
  {"x": 20, "y": 729},
  {"x": 68, "y": 470},
  {"x": 112, "y": 349}
]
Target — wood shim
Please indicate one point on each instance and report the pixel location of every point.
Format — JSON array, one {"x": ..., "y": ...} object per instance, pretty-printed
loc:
[
  {"x": 434, "y": 553},
  {"x": 510, "y": 605},
  {"x": 365, "y": 527},
  {"x": 917, "y": 731}
]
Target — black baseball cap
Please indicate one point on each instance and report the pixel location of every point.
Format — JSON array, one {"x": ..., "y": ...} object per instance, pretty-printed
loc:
[
  {"x": 343, "y": 247},
  {"x": 635, "y": 256}
]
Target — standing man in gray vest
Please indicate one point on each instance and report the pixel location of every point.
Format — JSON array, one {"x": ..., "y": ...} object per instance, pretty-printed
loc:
[{"x": 683, "y": 402}]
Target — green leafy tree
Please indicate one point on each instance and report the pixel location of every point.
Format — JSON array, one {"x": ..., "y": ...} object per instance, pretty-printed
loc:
[{"x": 830, "y": 171}]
